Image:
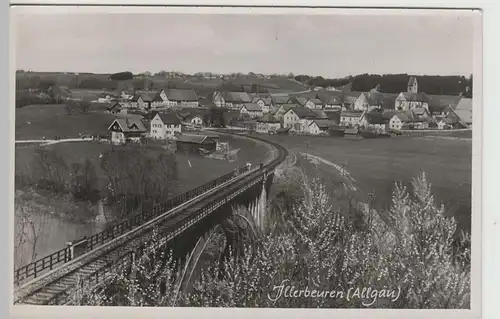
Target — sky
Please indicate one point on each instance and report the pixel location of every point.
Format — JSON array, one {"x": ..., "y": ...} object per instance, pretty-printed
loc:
[{"x": 332, "y": 45}]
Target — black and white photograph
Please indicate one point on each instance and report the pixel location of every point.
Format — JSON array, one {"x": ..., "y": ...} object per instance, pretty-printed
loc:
[{"x": 245, "y": 159}]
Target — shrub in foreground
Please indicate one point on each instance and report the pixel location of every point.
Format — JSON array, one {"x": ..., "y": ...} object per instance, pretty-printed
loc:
[{"x": 406, "y": 254}]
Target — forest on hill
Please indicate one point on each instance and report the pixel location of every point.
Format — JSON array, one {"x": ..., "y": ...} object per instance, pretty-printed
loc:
[
  {"x": 122, "y": 81},
  {"x": 395, "y": 83}
]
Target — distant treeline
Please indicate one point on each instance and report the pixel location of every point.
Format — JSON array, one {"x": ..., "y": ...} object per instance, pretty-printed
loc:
[
  {"x": 395, "y": 83},
  {"x": 390, "y": 83},
  {"x": 320, "y": 81},
  {"x": 431, "y": 84}
]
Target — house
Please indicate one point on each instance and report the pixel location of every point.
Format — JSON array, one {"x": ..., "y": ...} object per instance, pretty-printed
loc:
[
  {"x": 318, "y": 126},
  {"x": 361, "y": 103},
  {"x": 332, "y": 99},
  {"x": 279, "y": 100},
  {"x": 350, "y": 119},
  {"x": 461, "y": 116},
  {"x": 352, "y": 133},
  {"x": 126, "y": 129},
  {"x": 192, "y": 143},
  {"x": 195, "y": 116},
  {"x": 248, "y": 124},
  {"x": 179, "y": 97},
  {"x": 320, "y": 114},
  {"x": 410, "y": 119},
  {"x": 206, "y": 102},
  {"x": 195, "y": 119},
  {"x": 440, "y": 105},
  {"x": 157, "y": 101},
  {"x": 234, "y": 100},
  {"x": 104, "y": 98},
  {"x": 165, "y": 125},
  {"x": 252, "y": 109},
  {"x": 441, "y": 123},
  {"x": 115, "y": 108},
  {"x": 283, "y": 109},
  {"x": 314, "y": 104},
  {"x": 333, "y": 116},
  {"x": 260, "y": 95},
  {"x": 126, "y": 95},
  {"x": 142, "y": 101},
  {"x": 267, "y": 123},
  {"x": 375, "y": 100},
  {"x": 298, "y": 118},
  {"x": 374, "y": 120},
  {"x": 349, "y": 99},
  {"x": 299, "y": 100},
  {"x": 406, "y": 101},
  {"x": 379, "y": 100},
  {"x": 265, "y": 103}
]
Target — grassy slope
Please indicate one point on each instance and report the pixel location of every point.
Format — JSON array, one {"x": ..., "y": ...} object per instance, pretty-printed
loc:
[
  {"x": 52, "y": 120},
  {"x": 62, "y": 219},
  {"x": 201, "y": 170},
  {"x": 377, "y": 163}
]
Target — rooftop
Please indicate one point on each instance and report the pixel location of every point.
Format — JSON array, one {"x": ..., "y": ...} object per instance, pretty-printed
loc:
[
  {"x": 181, "y": 95},
  {"x": 169, "y": 118},
  {"x": 252, "y": 107}
]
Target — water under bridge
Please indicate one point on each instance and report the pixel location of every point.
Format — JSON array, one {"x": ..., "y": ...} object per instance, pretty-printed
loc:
[{"x": 181, "y": 221}]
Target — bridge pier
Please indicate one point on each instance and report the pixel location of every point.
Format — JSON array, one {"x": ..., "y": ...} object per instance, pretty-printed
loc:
[{"x": 256, "y": 200}]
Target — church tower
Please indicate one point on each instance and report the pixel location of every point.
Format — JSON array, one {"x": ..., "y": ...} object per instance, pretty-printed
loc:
[{"x": 412, "y": 85}]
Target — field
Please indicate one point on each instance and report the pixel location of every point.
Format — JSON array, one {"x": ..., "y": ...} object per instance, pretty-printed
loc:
[
  {"x": 62, "y": 219},
  {"x": 376, "y": 164},
  {"x": 193, "y": 170},
  {"x": 37, "y": 121},
  {"x": 86, "y": 94}
]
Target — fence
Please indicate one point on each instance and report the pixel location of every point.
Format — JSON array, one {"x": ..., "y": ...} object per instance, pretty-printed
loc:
[
  {"x": 85, "y": 244},
  {"x": 218, "y": 197},
  {"x": 433, "y": 132}
]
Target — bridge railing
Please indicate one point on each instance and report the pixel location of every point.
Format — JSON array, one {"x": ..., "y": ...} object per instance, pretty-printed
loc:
[
  {"x": 47, "y": 262},
  {"x": 86, "y": 244},
  {"x": 102, "y": 274}
]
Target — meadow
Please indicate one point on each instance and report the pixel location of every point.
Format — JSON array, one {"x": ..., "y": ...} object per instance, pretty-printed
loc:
[
  {"x": 376, "y": 164},
  {"x": 60, "y": 218},
  {"x": 86, "y": 94},
  {"x": 193, "y": 170},
  {"x": 37, "y": 121}
]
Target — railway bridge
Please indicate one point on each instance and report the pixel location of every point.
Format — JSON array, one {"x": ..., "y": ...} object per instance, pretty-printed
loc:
[{"x": 180, "y": 221}]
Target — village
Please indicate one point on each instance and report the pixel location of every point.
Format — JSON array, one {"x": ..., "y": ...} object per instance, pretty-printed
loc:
[
  {"x": 172, "y": 114},
  {"x": 199, "y": 160}
]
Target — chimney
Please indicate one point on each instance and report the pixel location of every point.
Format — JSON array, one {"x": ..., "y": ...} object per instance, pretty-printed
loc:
[{"x": 127, "y": 123}]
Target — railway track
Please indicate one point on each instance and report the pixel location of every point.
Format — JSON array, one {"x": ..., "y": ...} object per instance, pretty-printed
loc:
[{"x": 96, "y": 265}]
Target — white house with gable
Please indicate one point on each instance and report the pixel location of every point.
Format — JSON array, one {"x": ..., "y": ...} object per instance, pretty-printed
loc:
[{"x": 165, "y": 125}]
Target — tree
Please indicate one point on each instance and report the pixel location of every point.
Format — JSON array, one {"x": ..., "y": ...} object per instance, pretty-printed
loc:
[
  {"x": 29, "y": 222},
  {"x": 85, "y": 181},
  {"x": 406, "y": 252},
  {"x": 84, "y": 106},
  {"x": 137, "y": 180},
  {"x": 51, "y": 170},
  {"x": 121, "y": 76},
  {"x": 216, "y": 117}
]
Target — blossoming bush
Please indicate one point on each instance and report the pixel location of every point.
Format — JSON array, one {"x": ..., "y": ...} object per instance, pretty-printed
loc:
[{"x": 409, "y": 249}]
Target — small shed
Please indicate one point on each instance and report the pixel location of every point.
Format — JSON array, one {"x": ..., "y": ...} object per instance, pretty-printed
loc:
[
  {"x": 192, "y": 143},
  {"x": 337, "y": 131},
  {"x": 352, "y": 133},
  {"x": 283, "y": 130}
]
